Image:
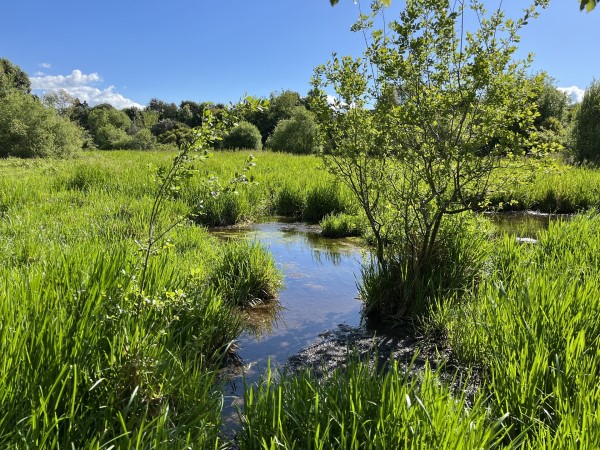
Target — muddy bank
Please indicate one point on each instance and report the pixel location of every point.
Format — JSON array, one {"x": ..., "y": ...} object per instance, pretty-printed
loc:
[{"x": 404, "y": 345}]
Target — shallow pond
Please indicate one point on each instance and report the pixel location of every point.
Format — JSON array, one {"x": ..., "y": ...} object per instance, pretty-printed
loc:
[{"x": 319, "y": 294}]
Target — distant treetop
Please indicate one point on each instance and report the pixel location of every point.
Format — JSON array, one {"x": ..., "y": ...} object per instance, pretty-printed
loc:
[
  {"x": 12, "y": 77},
  {"x": 588, "y": 5}
]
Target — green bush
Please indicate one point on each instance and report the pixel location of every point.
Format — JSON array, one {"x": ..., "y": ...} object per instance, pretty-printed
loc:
[
  {"x": 109, "y": 127},
  {"x": 298, "y": 134},
  {"x": 586, "y": 126},
  {"x": 243, "y": 136},
  {"x": 142, "y": 140},
  {"x": 29, "y": 130}
]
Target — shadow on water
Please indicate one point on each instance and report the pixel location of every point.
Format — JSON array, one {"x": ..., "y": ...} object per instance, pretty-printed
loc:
[{"x": 319, "y": 294}]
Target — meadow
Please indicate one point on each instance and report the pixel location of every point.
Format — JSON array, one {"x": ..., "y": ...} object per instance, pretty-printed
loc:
[{"x": 89, "y": 360}]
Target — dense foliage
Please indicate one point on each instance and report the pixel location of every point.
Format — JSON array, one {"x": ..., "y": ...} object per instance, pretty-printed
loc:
[
  {"x": 244, "y": 136},
  {"x": 586, "y": 125},
  {"x": 13, "y": 78},
  {"x": 298, "y": 134},
  {"x": 281, "y": 106},
  {"x": 28, "y": 129}
]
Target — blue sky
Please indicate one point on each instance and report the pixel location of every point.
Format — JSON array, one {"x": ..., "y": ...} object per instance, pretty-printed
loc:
[{"x": 127, "y": 52}]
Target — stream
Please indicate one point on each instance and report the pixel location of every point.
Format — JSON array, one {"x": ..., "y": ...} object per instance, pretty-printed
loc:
[{"x": 320, "y": 294}]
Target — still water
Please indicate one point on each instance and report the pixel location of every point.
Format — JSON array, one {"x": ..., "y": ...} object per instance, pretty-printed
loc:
[
  {"x": 320, "y": 292},
  {"x": 527, "y": 224}
]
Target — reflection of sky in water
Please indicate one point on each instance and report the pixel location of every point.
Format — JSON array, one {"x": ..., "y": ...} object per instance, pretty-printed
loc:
[
  {"x": 320, "y": 289},
  {"x": 320, "y": 292}
]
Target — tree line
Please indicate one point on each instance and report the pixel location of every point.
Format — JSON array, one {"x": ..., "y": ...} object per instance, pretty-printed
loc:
[{"x": 58, "y": 124}]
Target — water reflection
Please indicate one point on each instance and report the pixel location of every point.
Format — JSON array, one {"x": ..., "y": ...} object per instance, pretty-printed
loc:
[
  {"x": 320, "y": 292},
  {"x": 263, "y": 319},
  {"x": 526, "y": 224}
]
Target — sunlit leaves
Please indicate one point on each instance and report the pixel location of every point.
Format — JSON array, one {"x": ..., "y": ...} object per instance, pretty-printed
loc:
[{"x": 588, "y": 5}]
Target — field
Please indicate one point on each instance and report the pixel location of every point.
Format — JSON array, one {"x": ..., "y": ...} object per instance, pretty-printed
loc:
[{"x": 90, "y": 360}]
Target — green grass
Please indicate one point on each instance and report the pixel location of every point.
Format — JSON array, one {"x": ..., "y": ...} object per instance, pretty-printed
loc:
[
  {"x": 342, "y": 225},
  {"x": 86, "y": 362},
  {"x": 556, "y": 189},
  {"x": 89, "y": 361},
  {"x": 245, "y": 274},
  {"x": 363, "y": 407},
  {"x": 534, "y": 326}
]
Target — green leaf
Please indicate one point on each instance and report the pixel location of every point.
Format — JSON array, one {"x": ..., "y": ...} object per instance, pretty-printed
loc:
[{"x": 587, "y": 4}]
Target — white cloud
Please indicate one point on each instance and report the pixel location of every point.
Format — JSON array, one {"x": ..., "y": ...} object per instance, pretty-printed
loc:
[
  {"x": 82, "y": 86},
  {"x": 52, "y": 82},
  {"x": 575, "y": 93},
  {"x": 45, "y": 65}
]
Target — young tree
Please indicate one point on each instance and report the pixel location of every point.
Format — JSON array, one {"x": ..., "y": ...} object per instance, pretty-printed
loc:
[
  {"x": 60, "y": 100},
  {"x": 421, "y": 123}
]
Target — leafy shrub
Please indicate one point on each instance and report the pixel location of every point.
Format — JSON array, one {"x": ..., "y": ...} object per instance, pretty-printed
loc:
[
  {"x": 142, "y": 140},
  {"x": 245, "y": 135},
  {"x": 13, "y": 78},
  {"x": 297, "y": 134},
  {"x": 166, "y": 125},
  {"x": 109, "y": 127},
  {"x": 246, "y": 274},
  {"x": 29, "y": 130},
  {"x": 586, "y": 126},
  {"x": 551, "y": 105},
  {"x": 281, "y": 105}
]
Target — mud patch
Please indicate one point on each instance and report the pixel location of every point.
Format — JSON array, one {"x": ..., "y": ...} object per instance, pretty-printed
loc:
[{"x": 335, "y": 348}]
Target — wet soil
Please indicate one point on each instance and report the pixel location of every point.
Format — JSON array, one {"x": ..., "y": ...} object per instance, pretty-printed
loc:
[{"x": 404, "y": 344}]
